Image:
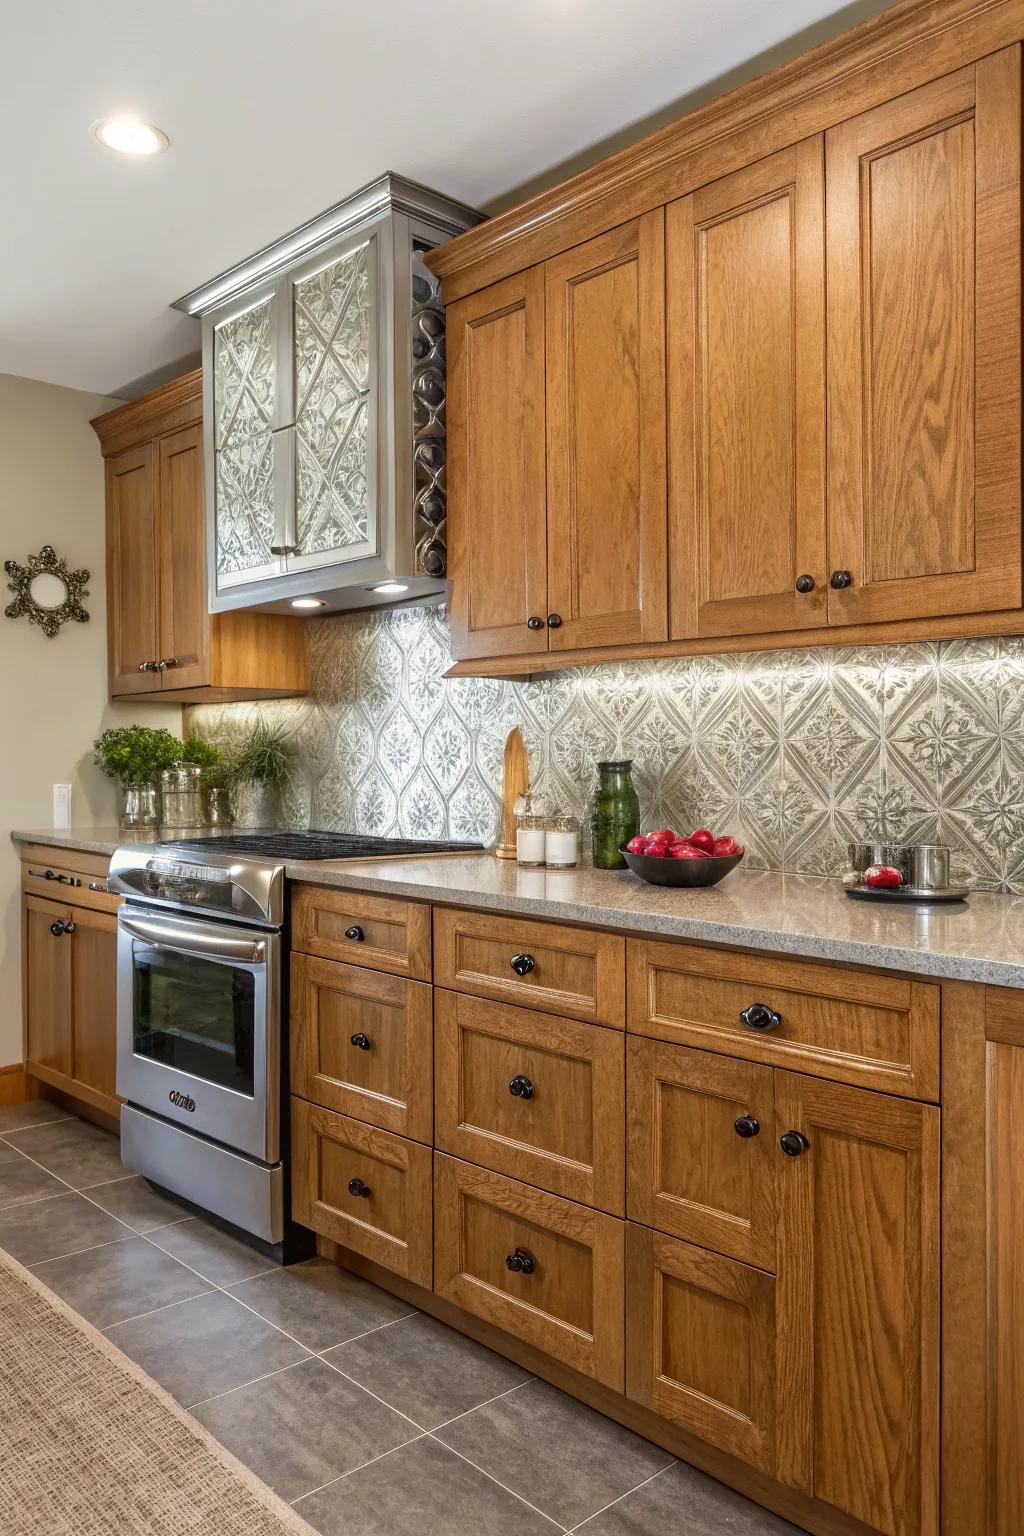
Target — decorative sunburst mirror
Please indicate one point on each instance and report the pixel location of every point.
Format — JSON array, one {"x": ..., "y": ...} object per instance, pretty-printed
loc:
[{"x": 46, "y": 591}]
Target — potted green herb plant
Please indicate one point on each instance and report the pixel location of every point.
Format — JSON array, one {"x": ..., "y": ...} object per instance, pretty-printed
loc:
[
  {"x": 215, "y": 762},
  {"x": 133, "y": 756},
  {"x": 258, "y": 762}
]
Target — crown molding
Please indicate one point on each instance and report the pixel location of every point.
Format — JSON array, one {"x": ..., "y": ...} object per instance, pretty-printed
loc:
[{"x": 173, "y": 406}]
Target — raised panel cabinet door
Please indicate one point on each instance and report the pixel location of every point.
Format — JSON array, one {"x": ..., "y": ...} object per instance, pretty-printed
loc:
[
  {"x": 94, "y": 1001},
  {"x": 607, "y": 519},
  {"x": 184, "y": 618},
  {"x": 1006, "y": 1283},
  {"x": 858, "y": 1301},
  {"x": 47, "y": 986},
  {"x": 702, "y": 1154},
  {"x": 700, "y": 1343},
  {"x": 924, "y": 350},
  {"x": 497, "y": 540},
  {"x": 133, "y": 578},
  {"x": 745, "y": 276}
]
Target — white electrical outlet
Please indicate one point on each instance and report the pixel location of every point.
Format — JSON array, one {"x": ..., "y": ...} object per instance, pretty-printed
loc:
[{"x": 61, "y": 806}]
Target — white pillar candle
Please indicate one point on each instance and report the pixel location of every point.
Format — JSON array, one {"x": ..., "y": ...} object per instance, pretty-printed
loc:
[
  {"x": 530, "y": 845},
  {"x": 561, "y": 848}
]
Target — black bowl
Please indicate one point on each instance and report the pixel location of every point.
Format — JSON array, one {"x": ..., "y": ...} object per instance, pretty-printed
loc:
[{"x": 680, "y": 872}]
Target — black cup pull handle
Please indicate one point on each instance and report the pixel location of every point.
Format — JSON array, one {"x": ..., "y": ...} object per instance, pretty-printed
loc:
[
  {"x": 793, "y": 1143},
  {"x": 759, "y": 1016},
  {"x": 520, "y": 1087},
  {"x": 355, "y": 933},
  {"x": 359, "y": 1189},
  {"x": 522, "y": 964},
  {"x": 520, "y": 1262},
  {"x": 746, "y": 1126},
  {"x": 361, "y": 1041}
]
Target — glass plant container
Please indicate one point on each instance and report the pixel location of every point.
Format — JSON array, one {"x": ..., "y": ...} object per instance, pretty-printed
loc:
[
  {"x": 616, "y": 813},
  {"x": 139, "y": 806},
  {"x": 182, "y": 796}
]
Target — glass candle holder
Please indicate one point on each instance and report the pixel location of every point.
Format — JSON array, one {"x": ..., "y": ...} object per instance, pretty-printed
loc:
[
  {"x": 562, "y": 843},
  {"x": 531, "y": 834}
]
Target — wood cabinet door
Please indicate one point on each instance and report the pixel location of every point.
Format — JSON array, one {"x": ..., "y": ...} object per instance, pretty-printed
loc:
[
  {"x": 858, "y": 1302},
  {"x": 94, "y": 1001},
  {"x": 924, "y": 350},
  {"x": 497, "y": 549},
  {"x": 133, "y": 581},
  {"x": 607, "y": 519},
  {"x": 184, "y": 616},
  {"x": 47, "y": 986},
  {"x": 745, "y": 271},
  {"x": 700, "y": 1343},
  {"x": 702, "y": 1156}
]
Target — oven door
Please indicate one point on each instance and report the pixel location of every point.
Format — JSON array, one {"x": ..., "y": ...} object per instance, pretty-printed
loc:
[{"x": 198, "y": 1026}]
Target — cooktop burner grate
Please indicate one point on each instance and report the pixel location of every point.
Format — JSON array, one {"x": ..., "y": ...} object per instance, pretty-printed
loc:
[{"x": 317, "y": 845}]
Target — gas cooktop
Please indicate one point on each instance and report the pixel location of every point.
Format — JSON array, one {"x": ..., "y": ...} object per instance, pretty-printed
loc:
[{"x": 316, "y": 845}]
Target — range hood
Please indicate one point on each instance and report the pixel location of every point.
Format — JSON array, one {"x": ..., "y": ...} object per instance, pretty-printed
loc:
[{"x": 324, "y": 409}]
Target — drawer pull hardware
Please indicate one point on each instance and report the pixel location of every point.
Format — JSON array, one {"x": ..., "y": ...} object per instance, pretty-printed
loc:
[
  {"x": 746, "y": 1126},
  {"x": 520, "y": 1087},
  {"x": 51, "y": 874},
  {"x": 355, "y": 933},
  {"x": 522, "y": 964},
  {"x": 520, "y": 1262},
  {"x": 840, "y": 579},
  {"x": 793, "y": 1143},
  {"x": 148, "y": 666},
  {"x": 361, "y": 1041},
  {"x": 758, "y": 1016},
  {"x": 534, "y": 623},
  {"x": 58, "y": 929},
  {"x": 805, "y": 583},
  {"x": 359, "y": 1189}
]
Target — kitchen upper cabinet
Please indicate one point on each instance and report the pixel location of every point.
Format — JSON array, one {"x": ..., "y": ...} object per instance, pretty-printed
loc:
[
  {"x": 606, "y": 534},
  {"x": 184, "y": 627},
  {"x": 132, "y": 570},
  {"x": 496, "y": 471},
  {"x": 745, "y": 272},
  {"x": 924, "y": 356},
  {"x": 242, "y": 411}
]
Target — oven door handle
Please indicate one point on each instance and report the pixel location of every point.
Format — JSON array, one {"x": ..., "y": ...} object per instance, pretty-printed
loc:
[{"x": 183, "y": 939}]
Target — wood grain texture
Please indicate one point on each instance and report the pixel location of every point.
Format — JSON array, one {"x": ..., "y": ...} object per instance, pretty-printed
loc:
[
  {"x": 133, "y": 576},
  {"x": 571, "y": 1305},
  {"x": 47, "y": 961},
  {"x": 184, "y": 623},
  {"x": 497, "y": 501},
  {"x": 67, "y": 865},
  {"x": 876, "y": 1031},
  {"x": 395, "y": 935},
  {"x": 575, "y": 970},
  {"x": 1006, "y": 1289},
  {"x": 690, "y": 1174},
  {"x": 168, "y": 408},
  {"x": 94, "y": 1002},
  {"x": 252, "y": 656},
  {"x": 569, "y": 1136},
  {"x": 858, "y": 1303},
  {"x": 605, "y": 331},
  {"x": 389, "y": 1081},
  {"x": 746, "y": 390},
  {"x": 16, "y": 1086},
  {"x": 515, "y": 782},
  {"x": 392, "y": 1225}
]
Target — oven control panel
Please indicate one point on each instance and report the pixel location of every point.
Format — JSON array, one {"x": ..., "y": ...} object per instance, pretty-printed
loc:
[{"x": 217, "y": 884}]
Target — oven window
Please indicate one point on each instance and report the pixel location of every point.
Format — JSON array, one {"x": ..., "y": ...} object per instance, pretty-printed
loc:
[{"x": 196, "y": 1016}]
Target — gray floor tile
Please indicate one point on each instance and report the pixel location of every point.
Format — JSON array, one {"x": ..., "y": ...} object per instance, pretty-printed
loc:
[
  {"x": 320, "y": 1304},
  {"x": 211, "y": 1252},
  {"x": 139, "y": 1206},
  {"x": 21, "y": 1180},
  {"x": 427, "y": 1370},
  {"x": 420, "y": 1490},
  {"x": 303, "y": 1427},
  {"x": 14, "y": 1117},
  {"x": 122, "y": 1280},
  {"x": 77, "y": 1152},
  {"x": 683, "y": 1502},
  {"x": 46, "y": 1229},
  {"x": 205, "y": 1346},
  {"x": 559, "y": 1454}
]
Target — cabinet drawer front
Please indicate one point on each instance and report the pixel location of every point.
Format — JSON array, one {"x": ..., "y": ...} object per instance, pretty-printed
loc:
[
  {"x": 374, "y": 931},
  {"x": 570, "y": 1304},
  {"x": 361, "y": 1044},
  {"x": 392, "y": 1223},
  {"x": 560, "y": 970},
  {"x": 700, "y": 1344},
  {"x": 702, "y": 1148},
  {"x": 64, "y": 874},
  {"x": 532, "y": 1096},
  {"x": 873, "y": 1031}
]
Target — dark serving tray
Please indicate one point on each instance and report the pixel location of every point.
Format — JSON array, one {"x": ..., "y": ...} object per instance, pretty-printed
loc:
[{"x": 908, "y": 893}]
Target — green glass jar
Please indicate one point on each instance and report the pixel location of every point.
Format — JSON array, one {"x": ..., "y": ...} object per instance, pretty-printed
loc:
[{"x": 616, "y": 815}]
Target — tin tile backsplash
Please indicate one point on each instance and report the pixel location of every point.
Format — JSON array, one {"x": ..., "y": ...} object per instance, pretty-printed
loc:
[{"x": 794, "y": 752}]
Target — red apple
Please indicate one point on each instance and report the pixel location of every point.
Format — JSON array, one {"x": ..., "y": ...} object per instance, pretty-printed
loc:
[
  {"x": 664, "y": 835},
  {"x": 725, "y": 847},
  {"x": 882, "y": 877},
  {"x": 702, "y": 838},
  {"x": 687, "y": 851},
  {"x": 656, "y": 851},
  {"x": 636, "y": 844}
]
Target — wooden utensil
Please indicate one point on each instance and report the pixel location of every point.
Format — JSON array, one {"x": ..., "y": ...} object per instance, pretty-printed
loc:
[{"x": 516, "y": 783}]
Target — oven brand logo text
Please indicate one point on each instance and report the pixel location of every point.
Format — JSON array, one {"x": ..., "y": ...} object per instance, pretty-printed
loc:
[{"x": 182, "y": 1101}]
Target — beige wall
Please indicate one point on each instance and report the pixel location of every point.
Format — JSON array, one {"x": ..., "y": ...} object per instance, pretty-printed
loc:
[{"x": 53, "y": 693}]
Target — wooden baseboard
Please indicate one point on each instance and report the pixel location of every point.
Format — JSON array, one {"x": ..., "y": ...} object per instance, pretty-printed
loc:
[{"x": 16, "y": 1087}]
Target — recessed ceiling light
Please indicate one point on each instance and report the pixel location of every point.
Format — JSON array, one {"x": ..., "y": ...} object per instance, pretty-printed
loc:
[
  {"x": 308, "y": 602},
  {"x": 390, "y": 586},
  {"x": 129, "y": 136}
]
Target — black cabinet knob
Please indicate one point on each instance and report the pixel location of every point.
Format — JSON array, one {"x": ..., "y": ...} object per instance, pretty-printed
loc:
[
  {"x": 522, "y": 964},
  {"x": 535, "y": 623},
  {"x": 805, "y": 583},
  {"x": 355, "y": 933},
  {"x": 57, "y": 928},
  {"x": 554, "y": 621},
  {"x": 359, "y": 1189},
  {"x": 361, "y": 1041},
  {"x": 840, "y": 579},
  {"x": 758, "y": 1016},
  {"x": 520, "y": 1262},
  {"x": 746, "y": 1126},
  {"x": 520, "y": 1087},
  {"x": 793, "y": 1143}
]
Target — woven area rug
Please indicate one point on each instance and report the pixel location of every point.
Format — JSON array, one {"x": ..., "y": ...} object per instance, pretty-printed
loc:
[{"x": 90, "y": 1446}]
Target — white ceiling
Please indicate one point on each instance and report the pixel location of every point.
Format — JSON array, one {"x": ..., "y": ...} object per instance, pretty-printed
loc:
[{"x": 277, "y": 110}]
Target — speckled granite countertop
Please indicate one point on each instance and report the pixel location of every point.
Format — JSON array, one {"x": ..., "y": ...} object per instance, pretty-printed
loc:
[{"x": 982, "y": 940}]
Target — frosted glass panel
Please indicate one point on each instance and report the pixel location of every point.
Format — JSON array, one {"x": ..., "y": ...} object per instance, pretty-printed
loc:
[{"x": 243, "y": 393}]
